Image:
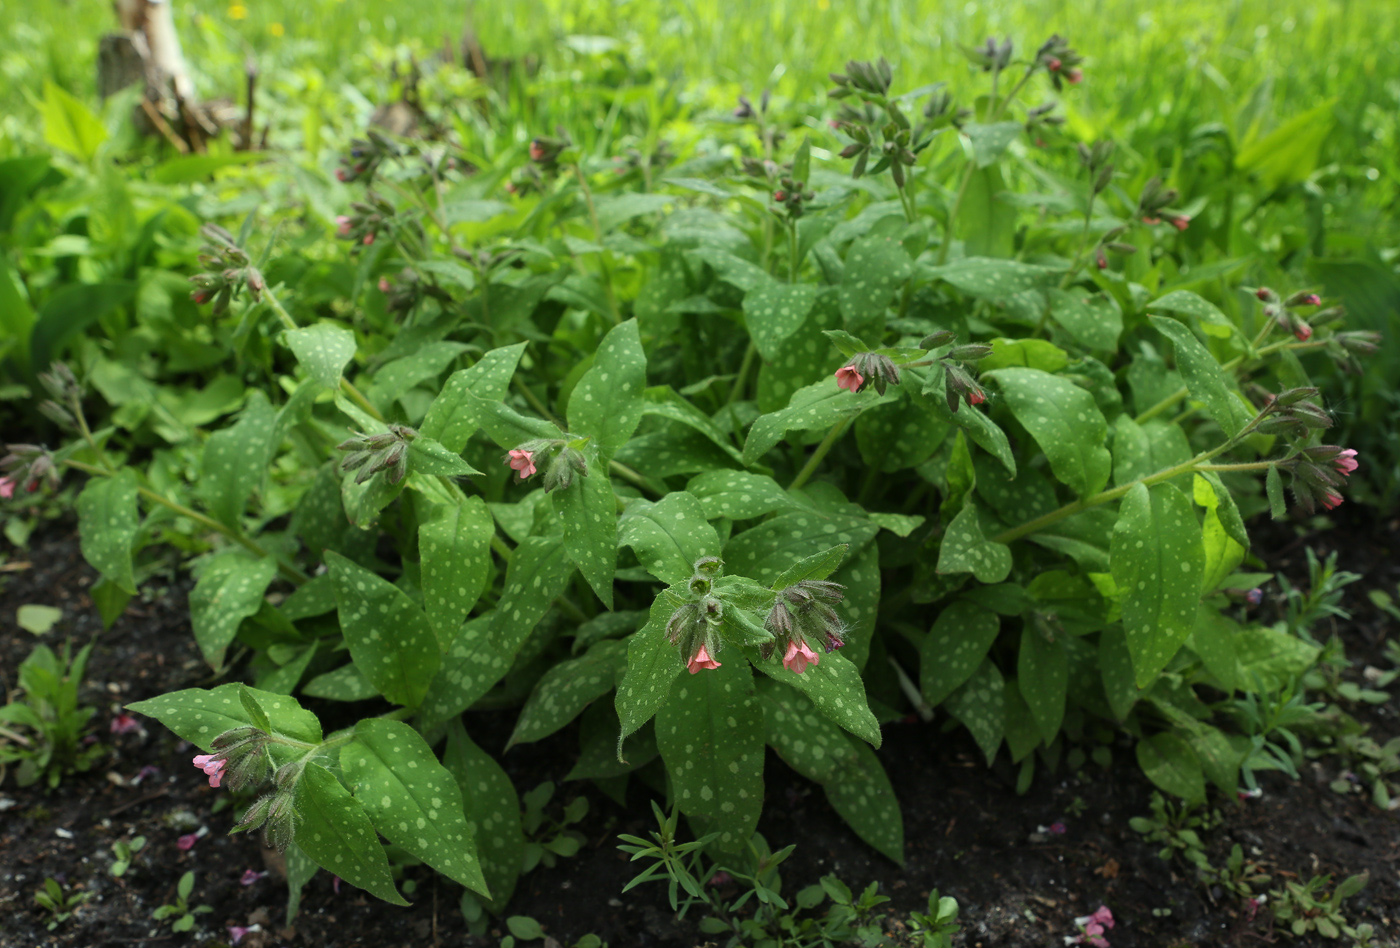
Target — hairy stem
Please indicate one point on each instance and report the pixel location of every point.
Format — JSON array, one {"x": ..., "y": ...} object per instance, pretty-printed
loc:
[{"x": 808, "y": 469}]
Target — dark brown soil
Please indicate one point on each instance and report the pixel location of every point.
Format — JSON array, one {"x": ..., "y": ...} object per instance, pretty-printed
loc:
[{"x": 968, "y": 833}]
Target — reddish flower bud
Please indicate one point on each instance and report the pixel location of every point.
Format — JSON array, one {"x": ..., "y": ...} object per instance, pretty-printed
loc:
[
  {"x": 1182, "y": 222},
  {"x": 1074, "y": 76},
  {"x": 976, "y": 397},
  {"x": 1054, "y": 64},
  {"x": 369, "y": 239},
  {"x": 1100, "y": 260},
  {"x": 384, "y": 284},
  {"x": 342, "y": 226},
  {"x": 537, "y": 150},
  {"x": 1303, "y": 331},
  {"x": 780, "y": 196}
]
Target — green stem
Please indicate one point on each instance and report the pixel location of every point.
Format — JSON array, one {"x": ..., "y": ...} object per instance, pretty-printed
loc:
[
  {"x": 598, "y": 236},
  {"x": 287, "y": 569},
  {"x": 737, "y": 389},
  {"x": 346, "y": 385},
  {"x": 636, "y": 478},
  {"x": 502, "y": 550},
  {"x": 1230, "y": 366},
  {"x": 808, "y": 469},
  {"x": 792, "y": 251}
]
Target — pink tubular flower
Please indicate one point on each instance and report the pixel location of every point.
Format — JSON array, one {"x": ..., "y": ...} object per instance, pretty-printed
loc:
[
  {"x": 976, "y": 397},
  {"x": 213, "y": 766},
  {"x": 522, "y": 461},
  {"x": 369, "y": 239},
  {"x": 1182, "y": 222},
  {"x": 7, "y": 488},
  {"x": 701, "y": 660},
  {"x": 251, "y": 876},
  {"x": 1054, "y": 64},
  {"x": 342, "y": 226},
  {"x": 1345, "y": 462},
  {"x": 1312, "y": 299},
  {"x": 186, "y": 842},
  {"x": 124, "y": 724},
  {"x": 799, "y": 656},
  {"x": 384, "y": 284},
  {"x": 342, "y": 175},
  {"x": 1331, "y": 500},
  {"x": 1074, "y": 76},
  {"x": 1303, "y": 331},
  {"x": 848, "y": 378},
  {"x": 1152, "y": 220},
  {"x": 236, "y": 933},
  {"x": 780, "y": 196}
]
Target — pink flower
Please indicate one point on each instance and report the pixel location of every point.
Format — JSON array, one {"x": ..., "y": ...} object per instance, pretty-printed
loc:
[
  {"x": 1100, "y": 260},
  {"x": 848, "y": 378},
  {"x": 1312, "y": 299},
  {"x": 1054, "y": 64},
  {"x": 976, "y": 397},
  {"x": 186, "y": 842},
  {"x": 780, "y": 196},
  {"x": 1346, "y": 461},
  {"x": 1182, "y": 222},
  {"x": 1263, "y": 293},
  {"x": 384, "y": 284},
  {"x": 342, "y": 175},
  {"x": 1152, "y": 220},
  {"x": 720, "y": 878},
  {"x": 369, "y": 239},
  {"x": 1254, "y": 596},
  {"x": 536, "y": 150},
  {"x": 1331, "y": 500},
  {"x": 7, "y": 488},
  {"x": 342, "y": 226},
  {"x": 213, "y": 766},
  {"x": 701, "y": 659},
  {"x": 522, "y": 461},
  {"x": 799, "y": 656},
  {"x": 236, "y": 933},
  {"x": 1303, "y": 331},
  {"x": 145, "y": 773},
  {"x": 124, "y": 724},
  {"x": 1074, "y": 76},
  {"x": 1093, "y": 927},
  {"x": 1058, "y": 829},
  {"x": 251, "y": 876}
]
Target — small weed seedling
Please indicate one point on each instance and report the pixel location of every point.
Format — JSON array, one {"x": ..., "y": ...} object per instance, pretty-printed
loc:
[
  {"x": 1303, "y": 908},
  {"x": 524, "y": 928},
  {"x": 937, "y": 927},
  {"x": 549, "y": 838},
  {"x": 59, "y": 904},
  {"x": 180, "y": 910},
  {"x": 50, "y": 712},
  {"x": 1175, "y": 827},
  {"x": 125, "y": 851}
]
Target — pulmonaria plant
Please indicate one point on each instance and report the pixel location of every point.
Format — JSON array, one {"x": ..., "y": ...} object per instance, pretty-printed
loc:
[{"x": 763, "y": 459}]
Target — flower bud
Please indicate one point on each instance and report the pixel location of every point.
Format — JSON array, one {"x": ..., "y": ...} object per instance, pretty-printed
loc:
[
  {"x": 1303, "y": 298},
  {"x": 940, "y": 338}
]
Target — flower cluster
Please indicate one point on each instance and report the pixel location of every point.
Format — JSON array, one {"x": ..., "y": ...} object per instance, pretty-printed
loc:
[
  {"x": 365, "y": 157},
  {"x": 958, "y": 382},
  {"x": 1061, "y": 62},
  {"x": 28, "y": 466},
  {"x": 802, "y": 612},
  {"x": 229, "y": 270},
  {"x": 1283, "y": 312},
  {"x": 867, "y": 368},
  {"x": 383, "y": 451},
  {"x": 1154, "y": 205},
  {"x": 1318, "y": 472},
  {"x": 791, "y": 196},
  {"x": 694, "y": 626},
  {"x": 368, "y": 219},
  {"x": 563, "y": 455}
]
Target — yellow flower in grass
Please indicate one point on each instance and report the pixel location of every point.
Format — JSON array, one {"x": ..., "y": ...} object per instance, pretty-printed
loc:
[
  {"x": 276, "y": 29},
  {"x": 237, "y": 11}
]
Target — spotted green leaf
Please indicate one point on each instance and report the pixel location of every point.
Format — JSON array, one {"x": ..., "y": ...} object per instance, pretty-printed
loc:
[
  {"x": 801, "y": 359},
  {"x": 1064, "y": 421},
  {"x": 1116, "y": 670},
  {"x": 652, "y": 664},
  {"x": 876, "y": 266},
  {"x": 984, "y": 432},
  {"x": 1143, "y": 449},
  {"x": 424, "y": 364},
  {"x": 454, "y": 550},
  {"x": 980, "y": 706},
  {"x": 739, "y": 495},
  {"x": 453, "y": 416},
  {"x": 835, "y": 687},
  {"x": 230, "y": 589},
  {"x": 1042, "y": 673},
  {"x": 606, "y": 404},
  {"x": 346, "y": 683},
  {"x": 108, "y": 519},
  {"x": 492, "y": 810},
  {"x": 766, "y": 551},
  {"x": 816, "y": 407},
  {"x": 334, "y": 831},
  {"x": 966, "y": 550},
  {"x": 567, "y": 688},
  {"x": 1157, "y": 559},
  {"x": 990, "y": 277},
  {"x": 897, "y": 435},
  {"x": 236, "y": 458},
  {"x": 411, "y": 798},
  {"x": 774, "y": 311},
  {"x": 954, "y": 648},
  {"x": 1207, "y": 315},
  {"x": 323, "y": 350},
  {"x": 663, "y": 401},
  {"x": 989, "y": 141},
  {"x": 588, "y": 510},
  {"x": 389, "y": 636},
  {"x": 1170, "y": 763},
  {"x": 199, "y": 716},
  {"x": 668, "y": 536},
  {"x": 426, "y": 456},
  {"x": 1222, "y": 553},
  {"x": 1203, "y": 376},
  {"x": 710, "y": 734},
  {"x": 731, "y": 269},
  {"x": 1095, "y": 321}
]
